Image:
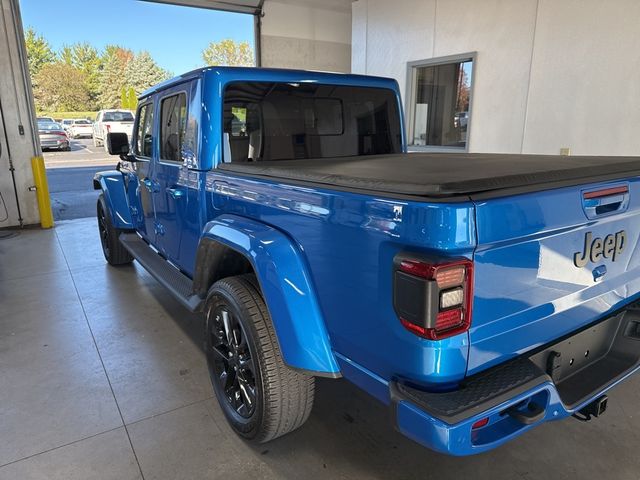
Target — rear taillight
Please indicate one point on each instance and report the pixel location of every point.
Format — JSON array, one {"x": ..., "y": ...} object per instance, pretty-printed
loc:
[
  {"x": 433, "y": 298},
  {"x": 108, "y": 128}
]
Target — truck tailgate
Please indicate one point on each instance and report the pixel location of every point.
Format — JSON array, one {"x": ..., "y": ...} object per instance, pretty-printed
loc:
[
  {"x": 550, "y": 262},
  {"x": 119, "y": 127}
]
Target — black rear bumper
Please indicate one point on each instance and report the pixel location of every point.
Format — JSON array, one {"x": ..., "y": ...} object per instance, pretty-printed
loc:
[{"x": 580, "y": 366}]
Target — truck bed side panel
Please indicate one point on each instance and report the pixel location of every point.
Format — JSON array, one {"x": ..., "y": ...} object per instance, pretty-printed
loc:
[{"x": 349, "y": 241}]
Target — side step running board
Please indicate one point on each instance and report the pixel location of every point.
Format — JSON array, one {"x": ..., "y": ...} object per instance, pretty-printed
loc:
[{"x": 165, "y": 273}]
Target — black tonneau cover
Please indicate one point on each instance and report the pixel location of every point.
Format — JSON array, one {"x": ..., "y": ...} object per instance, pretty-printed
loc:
[{"x": 444, "y": 174}]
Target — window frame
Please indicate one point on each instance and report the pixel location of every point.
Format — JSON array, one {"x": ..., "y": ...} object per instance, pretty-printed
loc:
[
  {"x": 410, "y": 97},
  {"x": 169, "y": 94},
  {"x": 136, "y": 125}
]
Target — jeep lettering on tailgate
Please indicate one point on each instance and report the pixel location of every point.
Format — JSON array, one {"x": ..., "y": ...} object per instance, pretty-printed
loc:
[{"x": 594, "y": 250}]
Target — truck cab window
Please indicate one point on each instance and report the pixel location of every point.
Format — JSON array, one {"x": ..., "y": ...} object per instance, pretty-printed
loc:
[
  {"x": 285, "y": 121},
  {"x": 144, "y": 131},
  {"x": 173, "y": 124}
]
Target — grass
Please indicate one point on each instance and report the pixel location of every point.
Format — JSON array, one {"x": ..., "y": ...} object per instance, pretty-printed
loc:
[{"x": 64, "y": 115}]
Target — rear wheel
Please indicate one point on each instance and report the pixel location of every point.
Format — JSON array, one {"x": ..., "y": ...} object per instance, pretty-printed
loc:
[
  {"x": 114, "y": 252},
  {"x": 260, "y": 396}
]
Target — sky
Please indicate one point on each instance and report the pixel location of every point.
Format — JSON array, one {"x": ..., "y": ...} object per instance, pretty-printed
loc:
[{"x": 174, "y": 36}]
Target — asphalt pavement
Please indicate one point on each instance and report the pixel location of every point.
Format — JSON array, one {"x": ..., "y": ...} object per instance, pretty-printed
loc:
[
  {"x": 70, "y": 176},
  {"x": 82, "y": 154}
]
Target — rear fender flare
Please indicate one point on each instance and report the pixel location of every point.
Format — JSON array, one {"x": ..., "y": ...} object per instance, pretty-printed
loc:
[
  {"x": 286, "y": 285},
  {"x": 115, "y": 196}
]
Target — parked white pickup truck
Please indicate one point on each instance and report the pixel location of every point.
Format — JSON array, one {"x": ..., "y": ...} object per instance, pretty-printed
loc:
[{"x": 111, "y": 121}]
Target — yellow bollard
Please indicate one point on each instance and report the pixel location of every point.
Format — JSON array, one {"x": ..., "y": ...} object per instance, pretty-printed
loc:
[{"x": 42, "y": 192}]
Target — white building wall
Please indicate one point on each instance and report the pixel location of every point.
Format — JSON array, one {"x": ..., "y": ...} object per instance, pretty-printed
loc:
[
  {"x": 16, "y": 112},
  {"x": 548, "y": 73},
  {"x": 306, "y": 34}
]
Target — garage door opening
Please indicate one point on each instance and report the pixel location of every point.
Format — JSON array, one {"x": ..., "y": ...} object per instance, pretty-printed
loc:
[{"x": 88, "y": 69}]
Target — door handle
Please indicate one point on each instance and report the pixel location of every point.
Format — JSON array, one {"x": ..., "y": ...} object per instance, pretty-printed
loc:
[
  {"x": 176, "y": 193},
  {"x": 151, "y": 185},
  {"x": 605, "y": 201}
]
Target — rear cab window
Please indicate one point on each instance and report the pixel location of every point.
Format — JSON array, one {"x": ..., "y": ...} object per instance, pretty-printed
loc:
[
  {"x": 266, "y": 121},
  {"x": 117, "y": 117}
]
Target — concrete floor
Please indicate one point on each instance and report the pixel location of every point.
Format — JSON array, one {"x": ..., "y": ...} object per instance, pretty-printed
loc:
[{"x": 102, "y": 376}]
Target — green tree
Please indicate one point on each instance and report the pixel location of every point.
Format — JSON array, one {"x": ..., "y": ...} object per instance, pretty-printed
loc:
[
  {"x": 39, "y": 52},
  {"x": 60, "y": 87},
  {"x": 112, "y": 75},
  {"x": 143, "y": 72},
  {"x": 124, "y": 98},
  {"x": 229, "y": 52},
  {"x": 133, "y": 99},
  {"x": 86, "y": 58},
  {"x": 66, "y": 55},
  {"x": 128, "y": 99}
]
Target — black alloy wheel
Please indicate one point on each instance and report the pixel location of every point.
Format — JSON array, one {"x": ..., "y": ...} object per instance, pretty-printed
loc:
[
  {"x": 232, "y": 360},
  {"x": 114, "y": 251},
  {"x": 103, "y": 230},
  {"x": 260, "y": 396}
]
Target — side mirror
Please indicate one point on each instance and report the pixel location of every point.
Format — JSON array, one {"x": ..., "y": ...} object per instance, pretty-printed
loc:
[{"x": 117, "y": 143}]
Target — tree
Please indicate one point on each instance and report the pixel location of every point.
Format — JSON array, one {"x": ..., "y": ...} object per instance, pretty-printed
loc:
[
  {"x": 142, "y": 72},
  {"x": 66, "y": 55},
  {"x": 128, "y": 99},
  {"x": 60, "y": 87},
  {"x": 229, "y": 52},
  {"x": 39, "y": 52},
  {"x": 112, "y": 75},
  {"x": 133, "y": 99},
  {"x": 86, "y": 59}
]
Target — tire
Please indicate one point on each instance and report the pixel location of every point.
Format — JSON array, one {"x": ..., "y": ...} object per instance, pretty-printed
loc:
[
  {"x": 282, "y": 397},
  {"x": 114, "y": 252}
]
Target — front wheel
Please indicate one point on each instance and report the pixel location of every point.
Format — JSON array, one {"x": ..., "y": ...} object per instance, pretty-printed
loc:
[
  {"x": 114, "y": 252},
  {"x": 260, "y": 396}
]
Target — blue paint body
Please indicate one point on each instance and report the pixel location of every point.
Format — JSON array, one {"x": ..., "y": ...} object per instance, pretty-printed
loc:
[
  {"x": 324, "y": 260},
  {"x": 286, "y": 286},
  {"x": 112, "y": 185}
]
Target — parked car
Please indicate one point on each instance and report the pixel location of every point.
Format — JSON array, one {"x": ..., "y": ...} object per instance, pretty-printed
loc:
[
  {"x": 111, "y": 121},
  {"x": 53, "y": 136},
  {"x": 461, "y": 120},
  {"x": 45, "y": 119},
  {"x": 476, "y": 295},
  {"x": 66, "y": 123},
  {"x": 81, "y": 128}
]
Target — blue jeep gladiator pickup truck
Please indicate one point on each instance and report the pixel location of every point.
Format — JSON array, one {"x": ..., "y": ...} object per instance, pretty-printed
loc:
[{"x": 477, "y": 295}]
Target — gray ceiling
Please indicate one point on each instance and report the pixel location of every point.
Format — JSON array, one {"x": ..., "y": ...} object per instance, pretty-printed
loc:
[
  {"x": 253, "y": 6},
  {"x": 242, "y": 6}
]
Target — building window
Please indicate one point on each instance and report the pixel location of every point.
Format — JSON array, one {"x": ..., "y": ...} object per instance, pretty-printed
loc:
[{"x": 439, "y": 96}]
